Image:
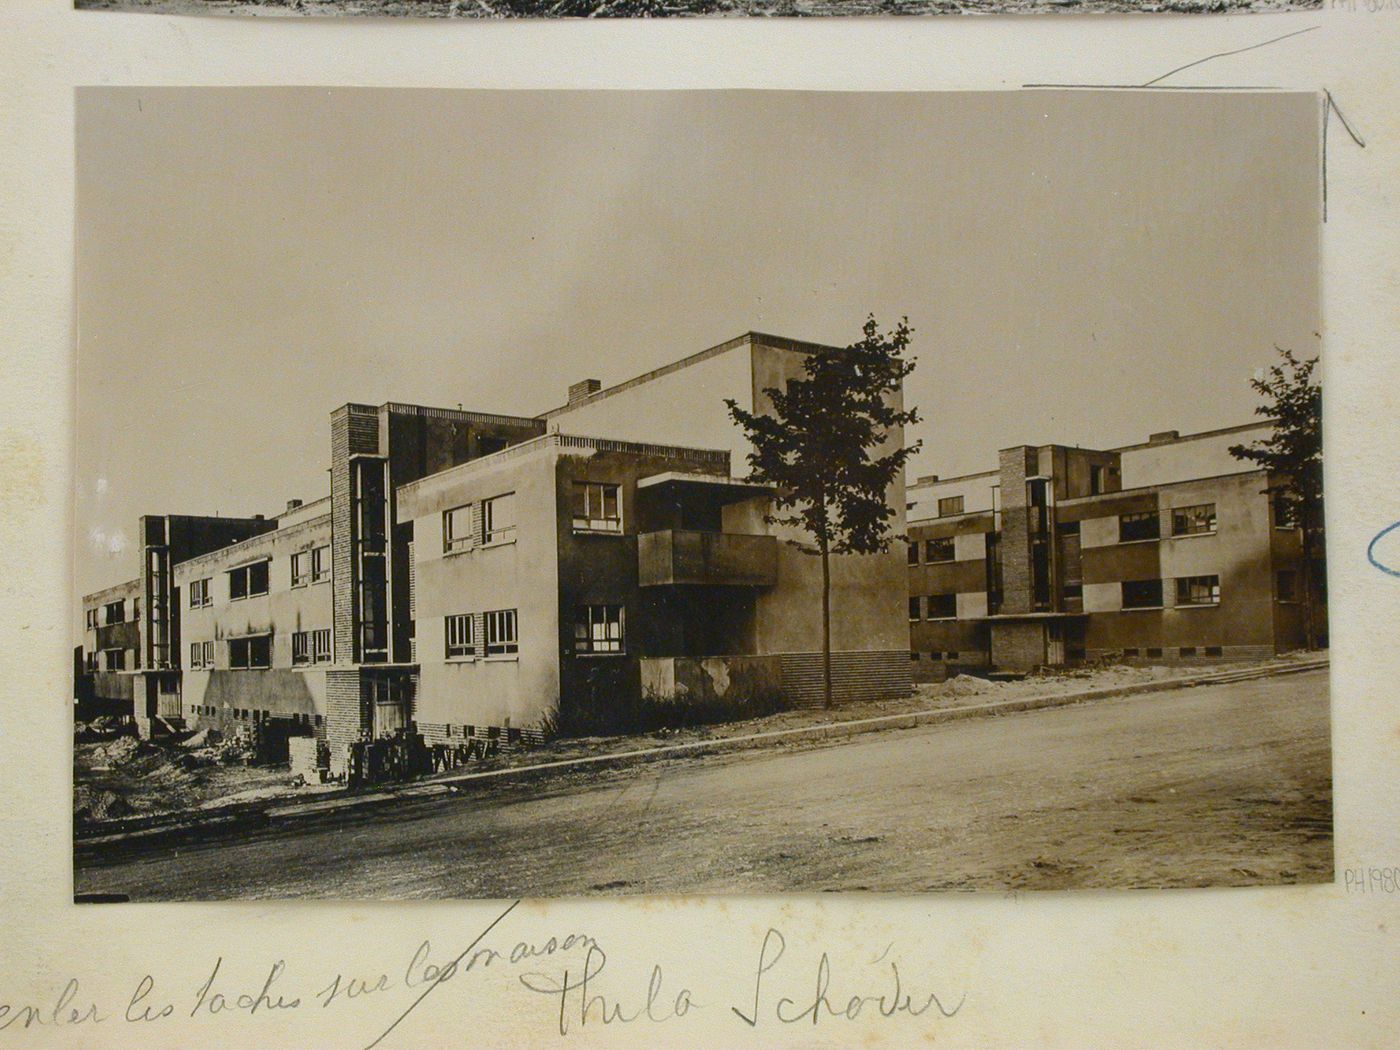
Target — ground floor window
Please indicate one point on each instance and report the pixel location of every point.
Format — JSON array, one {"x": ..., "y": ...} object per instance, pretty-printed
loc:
[
  {"x": 1142, "y": 594},
  {"x": 942, "y": 606},
  {"x": 501, "y": 637},
  {"x": 598, "y": 629},
  {"x": 254, "y": 652},
  {"x": 1198, "y": 590}
]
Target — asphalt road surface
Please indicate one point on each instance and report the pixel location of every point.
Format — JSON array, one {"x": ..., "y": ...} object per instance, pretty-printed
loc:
[{"x": 1221, "y": 785}]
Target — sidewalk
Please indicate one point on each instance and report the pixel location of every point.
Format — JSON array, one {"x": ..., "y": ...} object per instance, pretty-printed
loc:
[{"x": 194, "y": 824}]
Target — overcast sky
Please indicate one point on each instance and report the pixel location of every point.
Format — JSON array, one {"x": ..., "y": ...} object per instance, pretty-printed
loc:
[{"x": 1080, "y": 268}]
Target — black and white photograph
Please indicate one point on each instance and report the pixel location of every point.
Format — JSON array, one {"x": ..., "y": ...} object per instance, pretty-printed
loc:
[{"x": 499, "y": 494}]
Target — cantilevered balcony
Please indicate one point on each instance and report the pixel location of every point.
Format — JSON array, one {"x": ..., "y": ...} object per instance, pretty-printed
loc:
[{"x": 688, "y": 558}]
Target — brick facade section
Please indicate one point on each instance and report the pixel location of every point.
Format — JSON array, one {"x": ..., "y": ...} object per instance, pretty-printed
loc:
[
  {"x": 875, "y": 675},
  {"x": 1016, "y": 466}
]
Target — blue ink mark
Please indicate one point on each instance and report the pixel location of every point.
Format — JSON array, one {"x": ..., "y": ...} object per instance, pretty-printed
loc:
[{"x": 1371, "y": 549}]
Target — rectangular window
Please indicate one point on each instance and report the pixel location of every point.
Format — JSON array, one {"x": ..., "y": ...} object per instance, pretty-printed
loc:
[
  {"x": 461, "y": 636},
  {"x": 935, "y": 655},
  {"x": 950, "y": 505},
  {"x": 321, "y": 646},
  {"x": 247, "y": 580},
  {"x": 1156, "y": 652},
  {"x": 500, "y": 633},
  {"x": 208, "y": 656},
  {"x": 498, "y": 519},
  {"x": 457, "y": 529},
  {"x": 1285, "y": 512},
  {"x": 1142, "y": 594},
  {"x": 1287, "y": 585},
  {"x": 597, "y": 507},
  {"x": 938, "y": 550},
  {"x": 1214, "y": 650},
  {"x": 199, "y": 594},
  {"x": 914, "y": 554},
  {"x": 1144, "y": 526},
  {"x": 1187, "y": 650},
  {"x": 90, "y": 662},
  {"x": 135, "y": 610},
  {"x": 301, "y": 568},
  {"x": 196, "y": 656},
  {"x": 1198, "y": 590},
  {"x": 1095, "y": 480},
  {"x": 598, "y": 629},
  {"x": 942, "y": 606},
  {"x": 914, "y": 613},
  {"x": 254, "y": 652},
  {"x": 1193, "y": 521},
  {"x": 320, "y": 563},
  {"x": 301, "y": 647},
  {"x": 114, "y": 659},
  {"x": 114, "y": 612},
  {"x": 90, "y": 619}
]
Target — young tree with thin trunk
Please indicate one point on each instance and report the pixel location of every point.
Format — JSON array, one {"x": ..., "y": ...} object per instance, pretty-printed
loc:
[
  {"x": 1292, "y": 455},
  {"x": 821, "y": 447}
]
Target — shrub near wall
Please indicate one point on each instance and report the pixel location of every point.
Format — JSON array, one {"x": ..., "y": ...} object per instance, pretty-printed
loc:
[{"x": 596, "y": 713}]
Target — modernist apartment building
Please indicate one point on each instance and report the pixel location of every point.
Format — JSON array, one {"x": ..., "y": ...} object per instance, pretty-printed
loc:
[
  {"x": 474, "y": 574},
  {"x": 1164, "y": 550}
]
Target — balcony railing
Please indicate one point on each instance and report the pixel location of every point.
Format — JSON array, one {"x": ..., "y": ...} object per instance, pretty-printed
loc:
[{"x": 677, "y": 557}]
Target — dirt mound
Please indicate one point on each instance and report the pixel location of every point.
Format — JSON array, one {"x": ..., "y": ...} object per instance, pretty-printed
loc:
[
  {"x": 969, "y": 685},
  {"x": 91, "y": 805},
  {"x": 122, "y": 751}
]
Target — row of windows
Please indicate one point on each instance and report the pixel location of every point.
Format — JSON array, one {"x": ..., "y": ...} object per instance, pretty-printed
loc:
[
  {"x": 939, "y": 606},
  {"x": 493, "y": 520},
  {"x": 111, "y": 612},
  {"x": 247, "y": 581},
  {"x": 106, "y": 660},
  {"x": 259, "y": 715},
  {"x": 595, "y": 507},
  {"x": 501, "y": 629},
  {"x": 1190, "y": 590},
  {"x": 936, "y": 654},
  {"x": 256, "y": 651},
  {"x": 597, "y": 629},
  {"x": 933, "y": 551},
  {"x": 1198, "y": 520}
]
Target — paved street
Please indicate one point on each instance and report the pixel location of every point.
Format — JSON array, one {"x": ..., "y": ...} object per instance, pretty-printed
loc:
[{"x": 1217, "y": 785}]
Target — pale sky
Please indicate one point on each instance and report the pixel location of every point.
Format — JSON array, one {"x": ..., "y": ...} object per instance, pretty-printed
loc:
[{"x": 1081, "y": 268}]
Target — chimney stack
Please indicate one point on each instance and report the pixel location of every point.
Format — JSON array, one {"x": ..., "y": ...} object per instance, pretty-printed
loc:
[{"x": 580, "y": 391}]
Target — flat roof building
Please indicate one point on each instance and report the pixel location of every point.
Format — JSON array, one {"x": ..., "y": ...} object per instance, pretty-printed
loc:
[
  {"x": 1164, "y": 550},
  {"x": 488, "y": 575}
]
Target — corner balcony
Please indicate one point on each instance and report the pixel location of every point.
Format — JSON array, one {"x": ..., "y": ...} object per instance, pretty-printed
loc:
[{"x": 689, "y": 558}]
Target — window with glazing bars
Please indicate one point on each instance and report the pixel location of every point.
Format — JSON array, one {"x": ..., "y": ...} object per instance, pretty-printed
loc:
[
  {"x": 598, "y": 629},
  {"x": 597, "y": 507},
  {"x": 498, "y": 518},
  {"x": 457, "y": 529},
  {"x": 1192, "y": 521},
  {"x": 461, "y": 638},
  {"x": 500, "y": 633},
  {"x": 1144, "y": 526},
  {"x": 1198, "y": 590}
]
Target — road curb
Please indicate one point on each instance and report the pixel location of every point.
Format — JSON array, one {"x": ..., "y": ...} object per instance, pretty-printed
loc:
[{"x": 278, "y": 813}]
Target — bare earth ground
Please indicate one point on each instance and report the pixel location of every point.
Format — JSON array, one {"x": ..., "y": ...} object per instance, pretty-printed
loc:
[
  {"x": 1219, "y": 785},
  {"x": 682, "y": 8},
  {"x": 127, "y": 779}
]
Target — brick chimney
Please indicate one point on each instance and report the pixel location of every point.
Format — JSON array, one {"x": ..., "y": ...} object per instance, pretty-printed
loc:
[{"x": 582, "y": 390}]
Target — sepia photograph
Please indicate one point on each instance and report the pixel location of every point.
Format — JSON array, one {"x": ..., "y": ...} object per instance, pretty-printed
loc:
[
  {"x": 499, "y": 9},
  {"x": 498, "y": 494}
]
